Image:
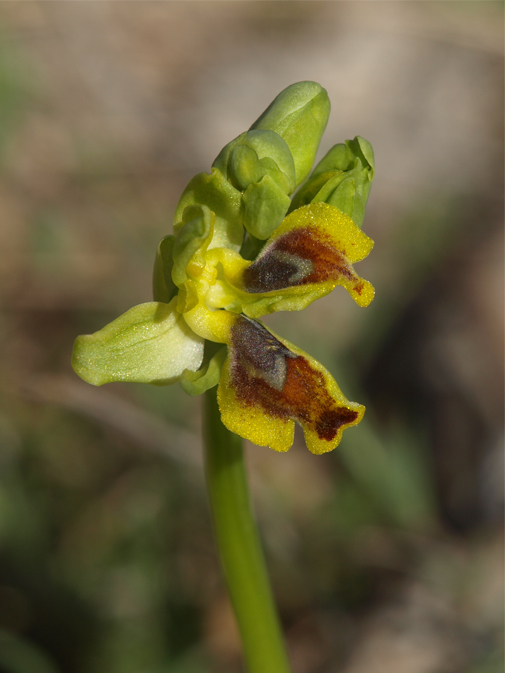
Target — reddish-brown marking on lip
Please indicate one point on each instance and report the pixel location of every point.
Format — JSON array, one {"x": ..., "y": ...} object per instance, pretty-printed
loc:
[
  {"x": 268, "y": 273},
  {"x": 303, "y": 398}
]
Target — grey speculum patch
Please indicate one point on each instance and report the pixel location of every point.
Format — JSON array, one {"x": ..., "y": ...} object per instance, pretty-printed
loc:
[
  {"x": 262, "y": 355},
  {"x": 276, "y": 270}
]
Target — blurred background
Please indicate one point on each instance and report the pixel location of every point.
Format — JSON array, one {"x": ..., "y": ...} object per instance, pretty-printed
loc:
[{"x": 386, "y": 555}]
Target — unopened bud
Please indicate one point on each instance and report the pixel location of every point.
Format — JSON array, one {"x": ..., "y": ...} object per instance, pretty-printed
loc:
[
  {"x": 299, "y": 114},
  {"x": 343, "y": 178}
]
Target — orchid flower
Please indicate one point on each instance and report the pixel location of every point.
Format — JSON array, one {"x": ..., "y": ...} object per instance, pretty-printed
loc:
[{"x": 243, "y": 248}]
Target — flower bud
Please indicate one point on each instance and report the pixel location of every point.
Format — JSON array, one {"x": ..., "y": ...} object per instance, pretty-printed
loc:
[
  {"x": 215, "y": 192},
  {"x": 299, "y": 114},
  {"x": 259, "y": 165},
  {"x": 343, "y": 178},
  {"x": 254, "y": 154},
  {"x": 265, "y": 206}
]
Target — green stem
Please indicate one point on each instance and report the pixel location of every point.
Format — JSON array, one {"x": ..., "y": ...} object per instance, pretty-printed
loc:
[{"x": 240, "y": 547}]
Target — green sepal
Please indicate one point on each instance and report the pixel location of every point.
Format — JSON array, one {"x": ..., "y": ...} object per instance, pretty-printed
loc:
[
  {"x": 343, "y": 178},
  {"x": 299, "y": 114},
  {"x": 265, "y": 206},
  {"x": 215, "y": 192},
  {"x": 150, "y": 343},
  {"x": 192, "y": 242},
  {"x": 346, "y": 193},
  {"x": 196, "y": 383},
  {"x": 164, "y": 287}
]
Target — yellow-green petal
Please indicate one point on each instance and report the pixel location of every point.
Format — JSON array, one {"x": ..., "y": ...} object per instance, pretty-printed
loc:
[
  {"x": 150, "y": 343},
  {"x": 191, "y": 243},
  {"x": 214, "y": 325}
]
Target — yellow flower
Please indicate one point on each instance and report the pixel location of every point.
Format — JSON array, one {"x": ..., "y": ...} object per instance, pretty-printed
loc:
[
  {"x": 206, "y": 291},
  {"x": 266, "y": 384}
]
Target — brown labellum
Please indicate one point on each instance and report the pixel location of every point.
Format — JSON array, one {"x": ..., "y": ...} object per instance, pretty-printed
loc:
[
  {"x": 265, "y": 372},
  {"x": 299, "y": 257}
]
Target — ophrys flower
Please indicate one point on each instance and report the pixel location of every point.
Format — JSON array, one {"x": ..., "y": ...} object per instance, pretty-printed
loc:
[{"x": 237, "y": 255}]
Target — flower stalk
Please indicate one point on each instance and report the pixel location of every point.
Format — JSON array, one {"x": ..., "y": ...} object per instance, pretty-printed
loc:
[{"x": 239, "y": 545}]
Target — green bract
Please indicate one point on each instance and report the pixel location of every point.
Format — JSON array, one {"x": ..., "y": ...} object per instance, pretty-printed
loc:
[{"x": 237, "y": 255}]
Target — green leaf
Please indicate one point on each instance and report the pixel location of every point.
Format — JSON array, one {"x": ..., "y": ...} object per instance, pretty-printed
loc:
[{"x": 150, "y": 343}]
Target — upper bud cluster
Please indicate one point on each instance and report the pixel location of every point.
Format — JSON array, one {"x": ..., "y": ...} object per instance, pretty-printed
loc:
[
  {"x": 260, "y": 165},
  {"x": 255, "y": 174}
]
